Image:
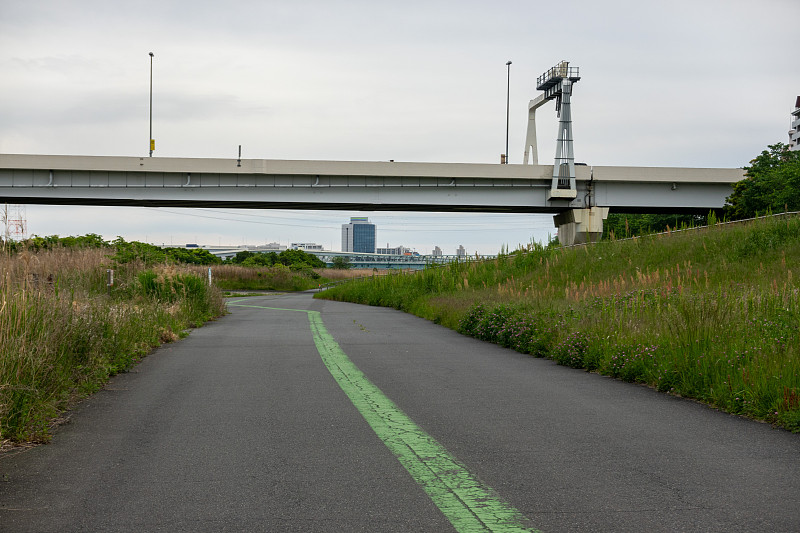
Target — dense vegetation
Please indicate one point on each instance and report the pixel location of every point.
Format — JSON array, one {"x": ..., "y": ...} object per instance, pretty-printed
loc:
[
  {"x": 289, "y": 270},
  {"x": 771, "y": 185},
  {"x": 63, "y": 332},
  {"x": 274, "y": 278},
  {"x": 341, "y": 263},
  {"x": 125, "y": 251},
  {"x": 711, "y": 314},
  {"x": 151, "y": 254},
  {"x": 623, "y": 225},
  {"x": 289, "y": 258}
]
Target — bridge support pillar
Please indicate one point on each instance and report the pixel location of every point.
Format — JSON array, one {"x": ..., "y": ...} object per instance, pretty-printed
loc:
[{"x": 579, "y": 226}]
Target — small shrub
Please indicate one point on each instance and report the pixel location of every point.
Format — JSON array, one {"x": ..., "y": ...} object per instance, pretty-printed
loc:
[
  {"x": 469, "y": 322},
  {"x": 790, "y": 420},
  {"x": 572, "y": 350},
  {"x": 631, "y": 363}
]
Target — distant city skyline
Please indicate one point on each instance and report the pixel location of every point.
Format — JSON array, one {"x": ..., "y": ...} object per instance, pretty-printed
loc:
[{"x": 482, "y": 233}]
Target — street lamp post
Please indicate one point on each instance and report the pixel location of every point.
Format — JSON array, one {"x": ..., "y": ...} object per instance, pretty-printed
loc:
[
  {"x": 152, "y": 141},
  {"x": 508, "y": 94}
]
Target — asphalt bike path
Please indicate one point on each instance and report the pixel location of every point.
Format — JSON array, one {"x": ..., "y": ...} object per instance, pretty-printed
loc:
[
  {"x": 293, "y": 414},
  {"x": 238, "y": 427}
]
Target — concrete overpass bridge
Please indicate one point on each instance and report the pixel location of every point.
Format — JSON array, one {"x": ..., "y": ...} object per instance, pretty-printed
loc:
[
  {"x": 367, "y": 186},
  {"x": 579, "y": 195}
]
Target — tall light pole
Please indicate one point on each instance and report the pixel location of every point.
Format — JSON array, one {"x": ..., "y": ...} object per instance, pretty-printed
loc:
[
  {"x": 152, "y": 141},
  {"x": 508, "y": 94}
]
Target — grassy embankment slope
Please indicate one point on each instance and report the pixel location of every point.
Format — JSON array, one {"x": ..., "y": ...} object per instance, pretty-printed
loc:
[
  {"x": 711, "y": 314},
  {"x": 63, "y": 333}
]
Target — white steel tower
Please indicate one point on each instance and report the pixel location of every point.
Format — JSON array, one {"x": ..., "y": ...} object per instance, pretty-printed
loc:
[{"x": 557, "y": 85}]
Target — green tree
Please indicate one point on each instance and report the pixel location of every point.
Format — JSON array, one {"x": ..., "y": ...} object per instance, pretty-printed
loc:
[
  {"x": 771, "y": 183},
  {"x": 90, "y": 240},
  {"x": 194, "y": 256},
  {"x": 131, "y": 251},
  {"x": 271, "y": 258},
  {"x": 623, "y": 225},
  {"x": 259, "y": 260},
  {"x": 341, "y": 262},
  {"x": 299, "y": 257},
  {"x": 37, "y": 243},
  {"x": 241, "y": 256}
]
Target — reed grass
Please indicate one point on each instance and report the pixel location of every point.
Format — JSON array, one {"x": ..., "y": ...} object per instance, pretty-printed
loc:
[
  {"x": 63, "y": 332},
  {"x": 276, "y": 278},
  {"x": 711, "y": 314}
]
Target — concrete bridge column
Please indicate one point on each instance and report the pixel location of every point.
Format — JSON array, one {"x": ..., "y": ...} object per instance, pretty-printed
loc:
[{"x": 579, "y": 226}]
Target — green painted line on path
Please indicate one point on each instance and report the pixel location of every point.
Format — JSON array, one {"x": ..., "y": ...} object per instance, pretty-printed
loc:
[{"x": 468, "y": 504}]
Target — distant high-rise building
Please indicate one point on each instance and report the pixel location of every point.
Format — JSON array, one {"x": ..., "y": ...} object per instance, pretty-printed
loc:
[
  {"x": 398, "y": 250},
  {"x": 270, "y": 246},
  {"x": 461, "y": 252},
  {"x": 437, "y": 252},
  {"x": 794, "y": 133},
  {"x": 306, "y": 246},
  {"x": 358, "y": 236}
]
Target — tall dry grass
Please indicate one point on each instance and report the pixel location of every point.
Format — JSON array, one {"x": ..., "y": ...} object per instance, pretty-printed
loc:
[
  {"x": 338, "y": 274},
  {"x": 277, "y": 277},
  {"x": 63, "y": 332}
]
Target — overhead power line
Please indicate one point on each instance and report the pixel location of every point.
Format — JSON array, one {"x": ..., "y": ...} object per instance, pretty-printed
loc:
[{"x": 429, "y": 226}]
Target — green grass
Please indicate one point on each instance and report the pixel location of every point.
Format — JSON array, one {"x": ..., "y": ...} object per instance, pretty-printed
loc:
[
  {"x": 711, "y": 314},
  {"x": 63, "y": 332}
]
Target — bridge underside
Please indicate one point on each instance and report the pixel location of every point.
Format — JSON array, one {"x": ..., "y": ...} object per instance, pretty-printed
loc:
[
  {"x": 359, "y": 186},
  {"x": 328, "y": 206}
]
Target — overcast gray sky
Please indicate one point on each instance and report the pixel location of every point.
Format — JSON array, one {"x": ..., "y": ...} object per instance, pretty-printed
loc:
[{"x": 683, "y": 83}]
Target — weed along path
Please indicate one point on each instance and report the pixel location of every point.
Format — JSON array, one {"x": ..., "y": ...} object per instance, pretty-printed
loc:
[{"x": 294, "y": 414}]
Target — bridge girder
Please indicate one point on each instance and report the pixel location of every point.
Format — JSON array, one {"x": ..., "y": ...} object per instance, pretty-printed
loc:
[{"x": 350, "y": 185}]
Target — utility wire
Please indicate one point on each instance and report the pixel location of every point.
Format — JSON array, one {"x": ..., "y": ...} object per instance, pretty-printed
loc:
[{"x": 429, "y": 226}]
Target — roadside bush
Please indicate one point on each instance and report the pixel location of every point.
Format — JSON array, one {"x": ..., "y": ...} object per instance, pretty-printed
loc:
[
  {"x": 572, "y": 350},
  {"x": 523, "y": 331}
]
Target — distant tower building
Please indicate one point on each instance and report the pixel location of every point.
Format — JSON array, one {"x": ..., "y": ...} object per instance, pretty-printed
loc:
[
  {"x": 461, "y": 252},
  {"x": 358, "y": 236},
  {"x": 306, "y": 246},
  {"x": 437, "y": 252},
  {"x": 794, "y": 133},
  {"x": 398, "y": 250}
]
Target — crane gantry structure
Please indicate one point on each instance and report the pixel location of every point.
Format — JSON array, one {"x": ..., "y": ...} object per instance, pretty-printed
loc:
[{"x": 556, "y": 84}]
